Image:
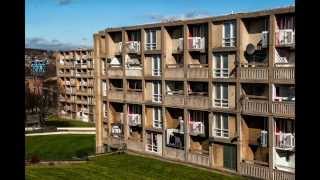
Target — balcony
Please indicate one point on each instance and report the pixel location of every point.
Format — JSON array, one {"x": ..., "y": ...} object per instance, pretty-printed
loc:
[
  {"x": 284, "y": 73},
  {"x": 253, "y": 73},
  {"x": 284, "y": 108},
  {"x": 175, "y": 154},
  {"x": 134, "y": 119},
  {"x": 135, "y": 145},
  {"x": 197, "y": 101},
  {"x": 174, "y": 71},
  {"x": 134, "y": 95},
  {"x": 264, "y": 172},
  {"x": 196, "y": 43},
  {"x": 115, "y": 71},
  {"x": 118, "y": 48},
  {"x": 196, "y": 128},
  {"x": 197, "y": 71},
  {"x": 115, "y": 94},
  {"x": 174, "y": 100},
  {"x": 134, "y": 71},
  {"x": 254, "y": 106},
  {"x": 177, "y": 45},
  {"x": 284, "y": 141},
  {"x": 200, "y": 159},
  {"x": 133, "y": 46}
]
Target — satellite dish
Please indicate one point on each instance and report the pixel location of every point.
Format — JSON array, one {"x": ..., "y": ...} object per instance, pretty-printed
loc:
[{"x": 250, "y": 49}]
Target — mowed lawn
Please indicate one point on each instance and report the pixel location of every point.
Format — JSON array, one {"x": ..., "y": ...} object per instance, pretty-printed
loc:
[
  {"x": 59, "y": 147},
  {"x": 121, "y": 166}
]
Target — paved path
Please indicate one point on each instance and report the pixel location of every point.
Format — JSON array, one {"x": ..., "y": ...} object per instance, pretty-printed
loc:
[{"x": 64, "y": 132}]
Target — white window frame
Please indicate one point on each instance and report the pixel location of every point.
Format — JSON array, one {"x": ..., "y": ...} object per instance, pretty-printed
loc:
[
  {"x": 157, "y": 117},
  {"x": 151, "y": 45},
  {"x": 220, "y": 132},
  {"x": 156, "y": 97},
  {"x": 231, "y": 41},
  {"x": 156, "y": 60},
  {"x": 221, "y": 102},
  {"x": 221, "y": 72}
]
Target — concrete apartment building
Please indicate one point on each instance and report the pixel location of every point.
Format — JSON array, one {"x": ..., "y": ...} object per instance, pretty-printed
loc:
[
  {"x": 75, "y": 69},
  {"x": 217, "y": 92}
]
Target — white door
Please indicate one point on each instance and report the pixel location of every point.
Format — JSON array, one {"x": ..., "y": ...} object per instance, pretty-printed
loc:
[
  {"x": 156, "y": 92},
  {"x": 221, "y": 99},
  {"x": 151, "y": 39},
  {"x": 156, "y": 65}
]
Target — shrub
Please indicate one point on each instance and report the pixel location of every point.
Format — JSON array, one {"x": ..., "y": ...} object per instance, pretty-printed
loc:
[
  {"x": 34, "y": 159},
  {"x": 82, "y": 154}
]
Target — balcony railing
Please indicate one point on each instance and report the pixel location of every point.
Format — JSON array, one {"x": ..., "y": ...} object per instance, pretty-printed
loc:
[
  {"x": 134, "y": 95},
  {"x": 115, "y": 71},
  {"x": 196, "y": 43},
  {"x": 174, "y": 100},
  {"x": 264, "y": 172},
  {"x": 175, "y": 153},
  {"x": 283, "y": 108},
  {"x": 134, "y": 71},
  {"x": 174, "y": 71},
  {"x": 133, "y": 46},
  {"x": 197, "y": 128},
  {"x": 284, "y": 141},
  {"x": 115, "y": 94},
  {"x": 255, "y": 106},
  {"x": 156, "y": 98},
  {"x": 197, "y": 101},
  {"x": 254, "y": 73},
  {"x": 177, "y": 45},
  {"x": 135, "y": 145},
  {"x": 197, "y": 71},
  {"x": 284, "y": 73},
  {"x": 134, "y": 119},
  {"x": 200, "y": 159}
]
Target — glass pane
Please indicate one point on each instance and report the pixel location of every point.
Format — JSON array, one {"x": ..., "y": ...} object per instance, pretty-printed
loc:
[
  {"x": 153, "y": 36},
  {"x": 225, "y": 91},
  {"x": 225, "y": 121},
  {"x": 218, "y": 122},
  {"x": 218, "y": 62},
  {"x": 227, "y": 30},
  {"x": 218, "y": 92},
  {"x": 148, "y": 36},
  {"x": 225, "y": 61}
]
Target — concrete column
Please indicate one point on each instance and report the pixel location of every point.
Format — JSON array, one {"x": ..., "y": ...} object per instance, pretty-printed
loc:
[
  {"x": 186, "y": 133},
  {"x": 271, "y": 53},
  {"x": 97, "y": 89},
  {"x": 144, "y": 139},
  {"x": 211, "y": 160},
  {"x": 239, "y": 26}
]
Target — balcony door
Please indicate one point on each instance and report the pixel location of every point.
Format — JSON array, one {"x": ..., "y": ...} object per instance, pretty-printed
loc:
[
  {"x": 220, "y": 66},
  {"x": 157, "y": 117},
  {"x": 229, "y": 34},
  {"x": 156, "y": 65},
  {"x": 156, "y": 92},
  {"x": 229, "y": 157},
  {"x": 154, "y": 142},
  {"x": 221, "y": 95},
  {"x": 151, "y": 43}
]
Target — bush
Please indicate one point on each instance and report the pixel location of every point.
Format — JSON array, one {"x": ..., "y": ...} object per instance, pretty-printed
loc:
[
  {"x": 34, "y": 159},
  {"x": 82, "y": 154}
]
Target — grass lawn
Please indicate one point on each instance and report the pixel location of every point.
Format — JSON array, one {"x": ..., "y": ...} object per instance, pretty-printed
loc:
[
  {"x": 59, "y": 147},
  {"x": 59, "y": 122},
  {"x": 122, "y": 166}
]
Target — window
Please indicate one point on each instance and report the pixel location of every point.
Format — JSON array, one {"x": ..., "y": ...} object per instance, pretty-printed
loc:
[
  {"x": 229, "y": 34},
  {"x": 156, "y": 92},
  {"x": 151, "y": 39},
  {"x": 134, "y": 109},
  {"x": 221, "y": 95},
  {"x": 221, "y": 66},
  {"x": 197, "y": 119},
  {"x": 154, "y": 142},
  {"x": 157, "y": 117},
  {"x": 220, "y": 126},
  {"x": 156, "y": 65}
]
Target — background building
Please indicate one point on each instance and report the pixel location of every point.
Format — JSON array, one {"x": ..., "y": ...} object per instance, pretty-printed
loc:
[
  {"x": 217, "y": 92},
  {"x": 75, "y": 69}
]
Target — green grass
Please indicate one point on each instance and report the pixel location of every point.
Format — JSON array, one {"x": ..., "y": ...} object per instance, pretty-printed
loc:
[
  {"x": 59, "y": 147},
  {"x": 60, "y": 122},
  {"x": 122, "y": 166}
]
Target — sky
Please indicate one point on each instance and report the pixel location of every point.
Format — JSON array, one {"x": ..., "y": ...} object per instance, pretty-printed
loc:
[{"x": 69, "y": 24}]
